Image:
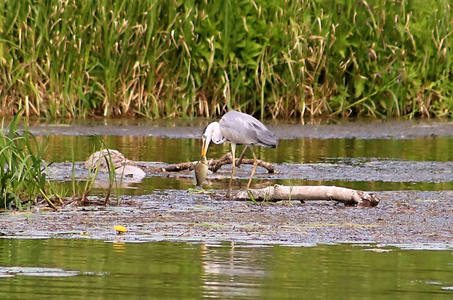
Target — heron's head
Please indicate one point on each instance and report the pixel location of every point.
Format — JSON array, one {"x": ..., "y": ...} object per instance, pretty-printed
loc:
[{"x": 212, "y": 133}]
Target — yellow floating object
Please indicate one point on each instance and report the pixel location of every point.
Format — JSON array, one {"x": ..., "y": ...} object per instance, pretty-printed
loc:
[{"x": 120, "y": 229}]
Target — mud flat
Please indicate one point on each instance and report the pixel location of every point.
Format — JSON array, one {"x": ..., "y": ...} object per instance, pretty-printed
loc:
[{"x": 408, "y": 219}]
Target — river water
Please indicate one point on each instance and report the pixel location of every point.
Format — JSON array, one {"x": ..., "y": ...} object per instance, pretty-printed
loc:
[
  {"x": 87, "y": 269},
  {"x": 369, "y": 155}
]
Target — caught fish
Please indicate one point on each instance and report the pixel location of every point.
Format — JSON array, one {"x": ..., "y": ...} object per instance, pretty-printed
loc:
[{"x": 200, "y": 172}]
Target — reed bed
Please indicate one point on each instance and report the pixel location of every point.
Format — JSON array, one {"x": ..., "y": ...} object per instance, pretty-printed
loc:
[{"x": 273, "y": 58}]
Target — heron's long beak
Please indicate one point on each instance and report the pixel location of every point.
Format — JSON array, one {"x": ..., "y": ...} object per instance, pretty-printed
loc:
[{"x": 204, "y": 148}]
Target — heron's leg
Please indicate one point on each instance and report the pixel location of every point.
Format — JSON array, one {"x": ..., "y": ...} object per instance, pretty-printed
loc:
[
  {"x": 241, "y": 157},
  {"x": 233, "y": 152},
  {"x": 255, "y": 164}
]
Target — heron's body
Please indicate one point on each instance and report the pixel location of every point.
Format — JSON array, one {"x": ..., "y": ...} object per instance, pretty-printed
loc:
[
  {"x": 238, "y": 129},
  {"x": 242, "y": 129}
]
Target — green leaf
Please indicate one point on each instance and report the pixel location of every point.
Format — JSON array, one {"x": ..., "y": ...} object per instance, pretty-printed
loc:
[{"x": 359, "y": 86}]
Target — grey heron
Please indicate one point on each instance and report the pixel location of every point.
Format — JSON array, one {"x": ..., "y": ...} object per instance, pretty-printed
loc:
[{"x": 239, "y": 129}]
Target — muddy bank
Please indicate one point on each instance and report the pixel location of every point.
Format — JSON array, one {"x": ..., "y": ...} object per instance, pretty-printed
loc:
[
  {"x": 322, "y": 129},
  {"x": 408, "y": 219},
  {"x": 355, "y": 170}
]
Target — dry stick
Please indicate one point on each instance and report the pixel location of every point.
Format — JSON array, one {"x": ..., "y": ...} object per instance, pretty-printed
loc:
[
  {"x": 227, "y": 159},
  {"x": 177, "y": 167},
  {"x": 306, "y": 193},
  {"x": 216, "y": 164}
]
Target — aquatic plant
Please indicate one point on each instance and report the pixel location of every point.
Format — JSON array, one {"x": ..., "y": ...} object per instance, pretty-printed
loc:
[
  {"x": 107, "y": 160},
  {"x": 22, "y": 176},
  {"x": 275, "y": 58}
]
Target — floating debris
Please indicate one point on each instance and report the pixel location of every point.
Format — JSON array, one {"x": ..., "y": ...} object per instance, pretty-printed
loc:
[
  {"x": 120, "y": 229},
  {"x": 36, "y": 271}
]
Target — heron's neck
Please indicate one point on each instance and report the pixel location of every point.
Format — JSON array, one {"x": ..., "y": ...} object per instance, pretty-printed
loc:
[{"x": 216, "y": 133}]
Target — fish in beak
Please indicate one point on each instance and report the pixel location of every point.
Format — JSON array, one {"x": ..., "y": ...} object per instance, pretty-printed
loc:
[{"x": 200, "y": 172}]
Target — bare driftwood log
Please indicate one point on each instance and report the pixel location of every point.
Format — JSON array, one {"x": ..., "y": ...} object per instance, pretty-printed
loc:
[
  {"x": 305, "y": 193},
  {"x": 216, "y": 164}
]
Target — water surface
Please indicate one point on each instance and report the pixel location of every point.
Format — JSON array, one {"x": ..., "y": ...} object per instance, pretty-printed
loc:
[
  {"x": 423, "y": 163},
  {"x": 307, "y": 150},
  {"x": 87, "y": 269},
  {"x": 394, "y": 160}
]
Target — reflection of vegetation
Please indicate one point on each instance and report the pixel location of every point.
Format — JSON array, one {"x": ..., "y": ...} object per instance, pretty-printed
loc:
[
  {"x": 306, "y": 150},
  {"x": 174, "y": 269},
  {"x": 325, "y": 272},
  {"x": 22, "y": 176},
  {"x": 186, "y": 58},
  {"x": 221, "y": 271}
]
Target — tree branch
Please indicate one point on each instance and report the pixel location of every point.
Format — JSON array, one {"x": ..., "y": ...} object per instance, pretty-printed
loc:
[
  {"x": 215, "y": 164},
  {"x": 308, "y": 193}
]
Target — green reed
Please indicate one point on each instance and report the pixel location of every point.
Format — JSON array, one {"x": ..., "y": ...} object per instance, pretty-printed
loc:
[
  {"x": 276, "y": 58},
  {"x": 22, "y": 176}
]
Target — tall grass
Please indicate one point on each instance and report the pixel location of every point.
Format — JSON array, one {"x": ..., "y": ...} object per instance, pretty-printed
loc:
[{"x": 276, "y": 58}]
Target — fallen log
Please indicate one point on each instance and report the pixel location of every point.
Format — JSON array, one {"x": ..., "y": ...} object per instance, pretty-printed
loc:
[
  {"x": 179, "y": 167},
  {"x": 215, "y": 164},
  {"x": 348, "y": 197}
]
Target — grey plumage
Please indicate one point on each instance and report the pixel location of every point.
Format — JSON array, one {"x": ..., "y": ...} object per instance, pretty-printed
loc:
[
  {"x": 243, "y": 129},
  {"x": 238, "y": 129}
]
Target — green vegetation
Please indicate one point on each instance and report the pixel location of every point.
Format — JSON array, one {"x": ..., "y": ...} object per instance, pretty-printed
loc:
[
  {"x": 22, "y": 176},
  {"x": 275, "y": 58},
  {"x": 105, "y": 158},
  {"x": 23, "y": 179}
]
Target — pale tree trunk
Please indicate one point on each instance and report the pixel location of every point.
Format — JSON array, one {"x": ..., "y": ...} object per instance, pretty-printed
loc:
[{"x": 309, "y": 193}]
